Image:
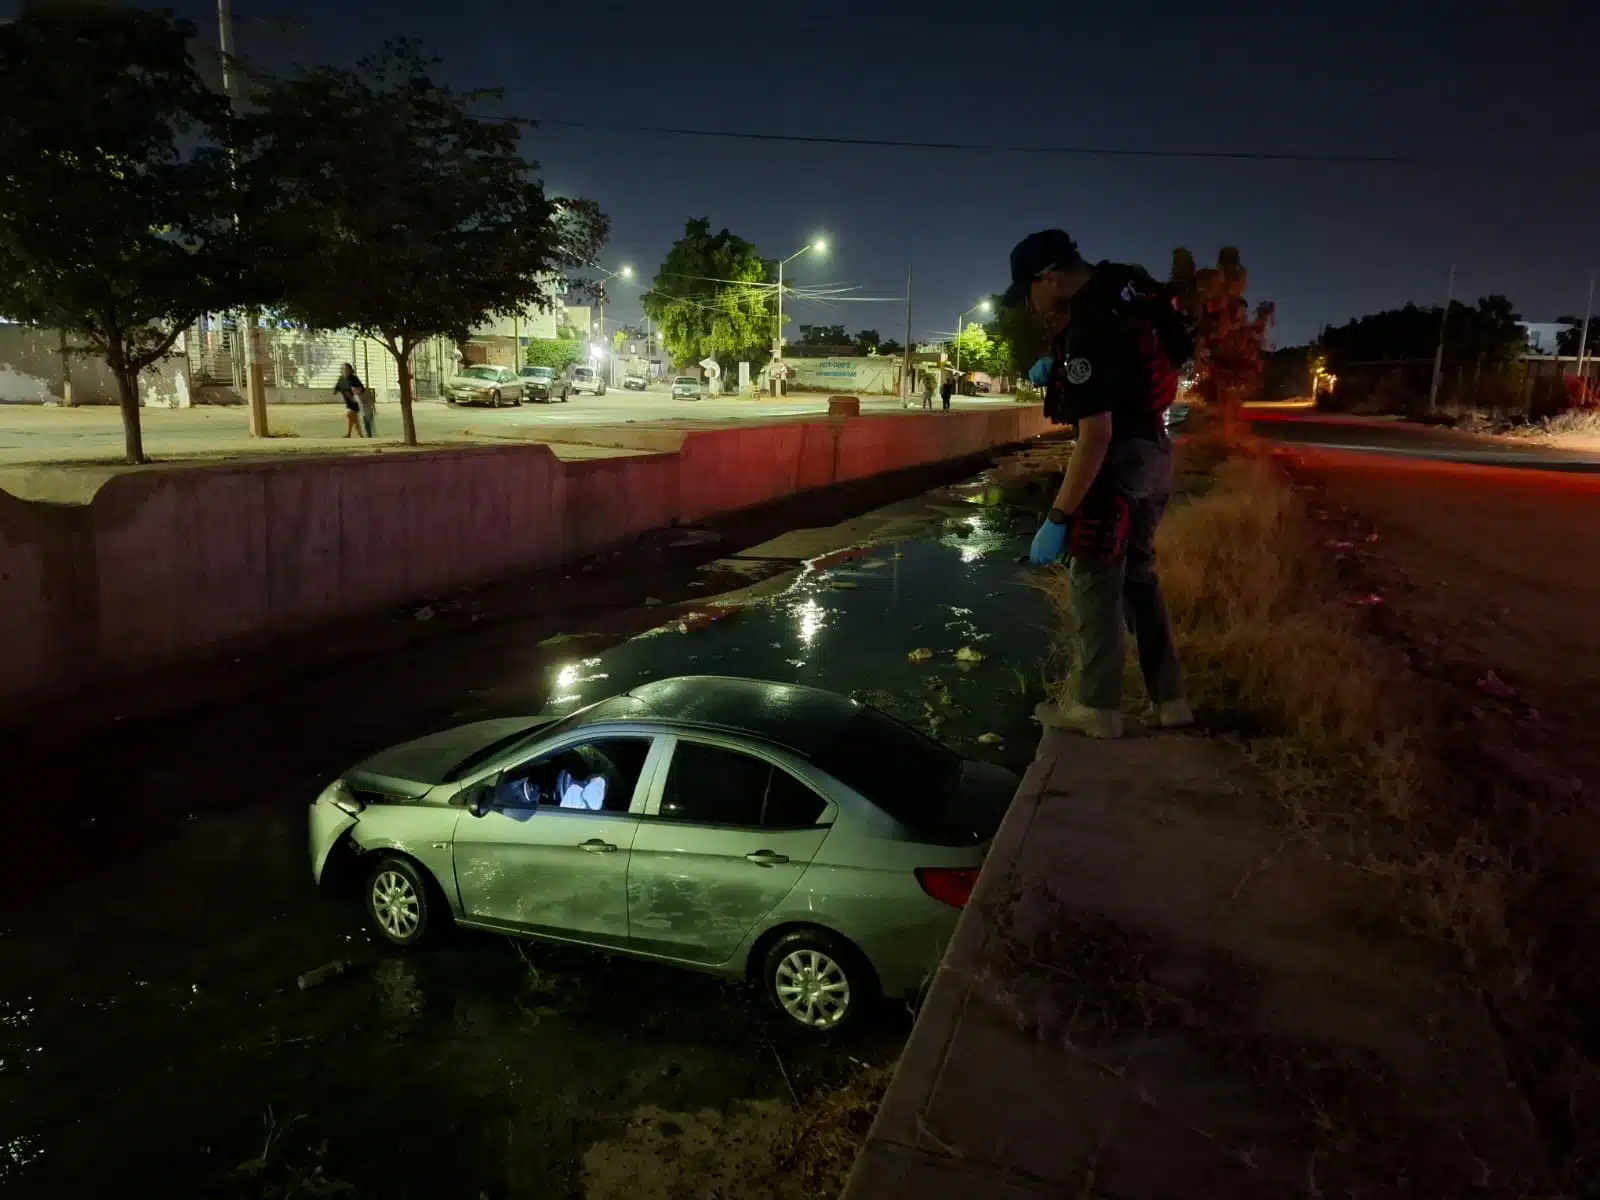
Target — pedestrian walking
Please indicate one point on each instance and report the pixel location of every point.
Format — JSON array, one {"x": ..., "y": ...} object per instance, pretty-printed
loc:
[
  {"x": 369, "y": 411},
  {"x": 1118, "y": 342},
  {"x": 354, "y": 393},
  {"x": 927, "y": 391},
  {"x": 946, "y": 389}
]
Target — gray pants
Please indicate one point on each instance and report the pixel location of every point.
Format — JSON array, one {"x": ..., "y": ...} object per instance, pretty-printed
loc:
[{"x": 1106, "y": 597}]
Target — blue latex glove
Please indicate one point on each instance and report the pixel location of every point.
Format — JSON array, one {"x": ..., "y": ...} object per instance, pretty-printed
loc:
[
  {"x": 1048, "y": 544},
  {"x": 1039, "y": 373}
]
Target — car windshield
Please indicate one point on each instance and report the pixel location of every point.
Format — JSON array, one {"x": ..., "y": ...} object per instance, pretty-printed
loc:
[
  {"x": 617, "y": 708},
  {"x": 684, "y": 379},
  {"x": 482, "y": 372},
  {"x": 538, "y": 372},
  {"x": 911, "y": 777}
]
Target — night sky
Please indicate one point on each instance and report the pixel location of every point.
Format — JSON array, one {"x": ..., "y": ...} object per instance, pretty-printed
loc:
[{"x": 1477, "y": 82}]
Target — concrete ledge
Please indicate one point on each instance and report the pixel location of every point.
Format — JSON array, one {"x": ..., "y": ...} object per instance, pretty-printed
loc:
[
  {"x": 1156, "y": 992},
  {"x": 134, "y": 568}
]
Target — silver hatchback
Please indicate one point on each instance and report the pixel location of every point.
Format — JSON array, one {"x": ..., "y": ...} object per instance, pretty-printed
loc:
[{"x": 752, "y": 830}]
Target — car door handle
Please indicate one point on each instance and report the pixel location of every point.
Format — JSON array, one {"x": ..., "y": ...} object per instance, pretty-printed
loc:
[
  {"x": 596, "y": 846},
  {"x": 766, "y": 858}
]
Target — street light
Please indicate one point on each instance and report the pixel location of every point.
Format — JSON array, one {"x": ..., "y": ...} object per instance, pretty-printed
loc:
[
  {"x": 626, "y": 272},
  {"x": 821, "y": 247},
  {"x": 980, "y": 306}
]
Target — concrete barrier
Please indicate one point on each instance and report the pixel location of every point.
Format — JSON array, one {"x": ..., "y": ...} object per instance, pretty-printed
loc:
[{"x": 167, "y": 563}]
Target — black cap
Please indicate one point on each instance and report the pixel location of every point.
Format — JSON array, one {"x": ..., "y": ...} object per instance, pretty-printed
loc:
[{"x": 1047, "y": 250}]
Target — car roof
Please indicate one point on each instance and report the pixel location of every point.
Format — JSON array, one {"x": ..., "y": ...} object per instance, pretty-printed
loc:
[{"x": 805, "y": 720}]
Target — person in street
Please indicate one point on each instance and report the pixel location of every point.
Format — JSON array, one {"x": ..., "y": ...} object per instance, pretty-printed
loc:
[
  {"x": 1117, "y": 345},
  {"x": 946, "y": 390},
  {"x": 927, "y": 392},
  {"x": 353, "y": 392},
  {"x": 369, "y": 411}
]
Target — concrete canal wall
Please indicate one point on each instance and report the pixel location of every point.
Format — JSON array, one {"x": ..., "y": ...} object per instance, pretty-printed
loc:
[{"x": 166, "y": 564}]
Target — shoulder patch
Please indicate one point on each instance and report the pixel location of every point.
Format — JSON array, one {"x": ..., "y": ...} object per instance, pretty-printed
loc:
[{"x": 1079, "y": 370}]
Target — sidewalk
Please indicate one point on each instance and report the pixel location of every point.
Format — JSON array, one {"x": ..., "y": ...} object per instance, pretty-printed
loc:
[{"x": 1158, "y": 993}]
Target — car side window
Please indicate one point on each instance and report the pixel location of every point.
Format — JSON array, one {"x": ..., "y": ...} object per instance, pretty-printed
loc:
[
  {"x": 713, "y": 786},
  {"x": 595, "y": 776},
  {"x": 790, "y": 804}
]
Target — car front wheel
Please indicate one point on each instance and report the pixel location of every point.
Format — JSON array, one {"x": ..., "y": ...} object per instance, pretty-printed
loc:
[
  {"x": 819, "y": 981},
  {"x": 400, "y": 902}
]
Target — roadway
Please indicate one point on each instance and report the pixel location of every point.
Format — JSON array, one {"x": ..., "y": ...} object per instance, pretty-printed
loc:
[
  {"x": 33, "y": 434},
  {"x": 1402, "y": 439}
]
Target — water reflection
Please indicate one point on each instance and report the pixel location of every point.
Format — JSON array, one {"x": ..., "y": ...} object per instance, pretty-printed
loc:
[
  {"x": 571, "y": 678},
  {"x": 956, "y": 585}
]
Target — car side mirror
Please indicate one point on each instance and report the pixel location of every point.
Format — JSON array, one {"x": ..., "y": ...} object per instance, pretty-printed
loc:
[{"x": 480, "y": 802}]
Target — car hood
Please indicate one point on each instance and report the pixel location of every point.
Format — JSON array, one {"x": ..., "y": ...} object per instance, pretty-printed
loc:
[
  {"x": 432, "y": 759},
  {"x": 466, "y": 381}
]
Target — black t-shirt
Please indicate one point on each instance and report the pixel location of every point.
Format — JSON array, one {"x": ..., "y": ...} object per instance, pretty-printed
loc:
[{"x": 1111, "y": 358}]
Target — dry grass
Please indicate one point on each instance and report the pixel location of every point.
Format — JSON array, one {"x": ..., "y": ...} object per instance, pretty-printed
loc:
[
  {"x": 827, "y": 1134},
  {"x": 1266, "y": 651}
]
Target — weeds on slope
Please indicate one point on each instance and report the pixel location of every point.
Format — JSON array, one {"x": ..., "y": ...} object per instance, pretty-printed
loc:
[{"x": 1269, "y": 651}]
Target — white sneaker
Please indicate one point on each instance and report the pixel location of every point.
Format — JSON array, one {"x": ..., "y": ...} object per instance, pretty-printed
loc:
[
  {"x": 1104, "y": 723},
  {"x": 1170, "y": 714}
]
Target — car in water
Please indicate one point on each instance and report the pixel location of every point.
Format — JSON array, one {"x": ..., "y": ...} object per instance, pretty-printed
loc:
[
  {"x": 587, "y": 381},
  {"x": 484, "y": 384},
  {"x": 752, "y": 830},
  {"x": 545, "y": 385},
  {"x": 635, "y": 381},
  {"x": 686, "y": 387}
]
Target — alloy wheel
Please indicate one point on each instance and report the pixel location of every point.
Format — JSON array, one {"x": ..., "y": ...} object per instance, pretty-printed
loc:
[
  {"x": 812, "y": 988},
  {"x": 396, "y": 905}
]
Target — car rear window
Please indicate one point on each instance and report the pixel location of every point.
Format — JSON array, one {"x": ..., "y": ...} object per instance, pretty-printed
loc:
[{"x": 911, "y": 777}]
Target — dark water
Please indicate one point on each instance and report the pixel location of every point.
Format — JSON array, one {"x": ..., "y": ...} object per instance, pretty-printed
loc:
[
  {"x": 168, "y": 1048},
  {"x": 851, "y": 622}
]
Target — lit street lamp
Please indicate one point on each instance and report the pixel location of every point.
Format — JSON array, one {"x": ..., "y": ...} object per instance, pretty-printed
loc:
[
  {"x": 625, "y": 273},
  {"x": 981, "y": 306},
  {"x": 821, "y": 247}
]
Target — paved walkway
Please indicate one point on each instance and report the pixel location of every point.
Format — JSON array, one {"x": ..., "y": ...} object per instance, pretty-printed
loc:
[
  {"x": 31, "y": 433},
  {"x": 1158, "y": 993}
]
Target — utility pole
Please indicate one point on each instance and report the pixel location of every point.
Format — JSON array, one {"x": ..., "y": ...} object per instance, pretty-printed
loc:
[
  {"x": 777, "y": 339},
  {"x": 255, "y": 391},
  {"x": 1438, "y": 354},
  {"x": 1583, "y": 334},
  {"x": 910, "y": 384}
]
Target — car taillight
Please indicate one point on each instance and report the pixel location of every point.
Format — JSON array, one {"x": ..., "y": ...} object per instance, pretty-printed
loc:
[{"x": 948, "y": 885}]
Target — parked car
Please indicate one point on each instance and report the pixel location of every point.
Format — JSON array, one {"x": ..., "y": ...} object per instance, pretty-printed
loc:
[
  {"x": 751, "y": 830},
  {"x": 636, "y": 381},
  {"x": 686, "y": 387},
  {"x": 587, "y": 380},
  {"x": 542, "y": 383},
  {"x": 484, "y": 384},
  {"x": 1175, "y": 416}
]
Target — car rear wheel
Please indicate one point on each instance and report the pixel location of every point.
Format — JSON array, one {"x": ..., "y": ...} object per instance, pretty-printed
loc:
[
  {"x": 399, "y": 899},
  {"x": 819, "y": 981}
]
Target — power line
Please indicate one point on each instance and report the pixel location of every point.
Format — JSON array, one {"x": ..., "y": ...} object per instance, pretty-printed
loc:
[{"x": 1065, "y": 151}]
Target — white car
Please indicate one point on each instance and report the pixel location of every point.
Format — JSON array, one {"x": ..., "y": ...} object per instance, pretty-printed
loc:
[
  {"x": 686, "y": 387},
  {"x": 484, "y": 384},
  {"x": 588, "y": 381}
]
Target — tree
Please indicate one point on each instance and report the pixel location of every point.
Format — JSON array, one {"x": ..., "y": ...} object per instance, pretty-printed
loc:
[
  {"x": 115, "y": 206},
  {"x": 824, "y": 335},
  {"x": 1020, "y": 338},
  {"x": 891, "y": 348},
  {"x": 976, "y": 348},
  {"x": 1571, "y": 338},
  {"x": 556, "y": 353},
  {"x": 714, "y": 297},
  {"x": 391, "y": 210},
  {"x": 868, "y": 341},
  {"x": 1229, "y": 338}
]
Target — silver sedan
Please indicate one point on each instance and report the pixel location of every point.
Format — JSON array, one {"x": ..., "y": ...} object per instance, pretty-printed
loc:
[{"x": 752, "y": 830}]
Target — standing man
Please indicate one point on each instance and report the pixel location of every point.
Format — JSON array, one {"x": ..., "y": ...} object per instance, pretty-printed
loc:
[
  {"x": 1117, "y": 343},
  {"x": 927, "y": 391},
  {"x": 946, "y": 389}
]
